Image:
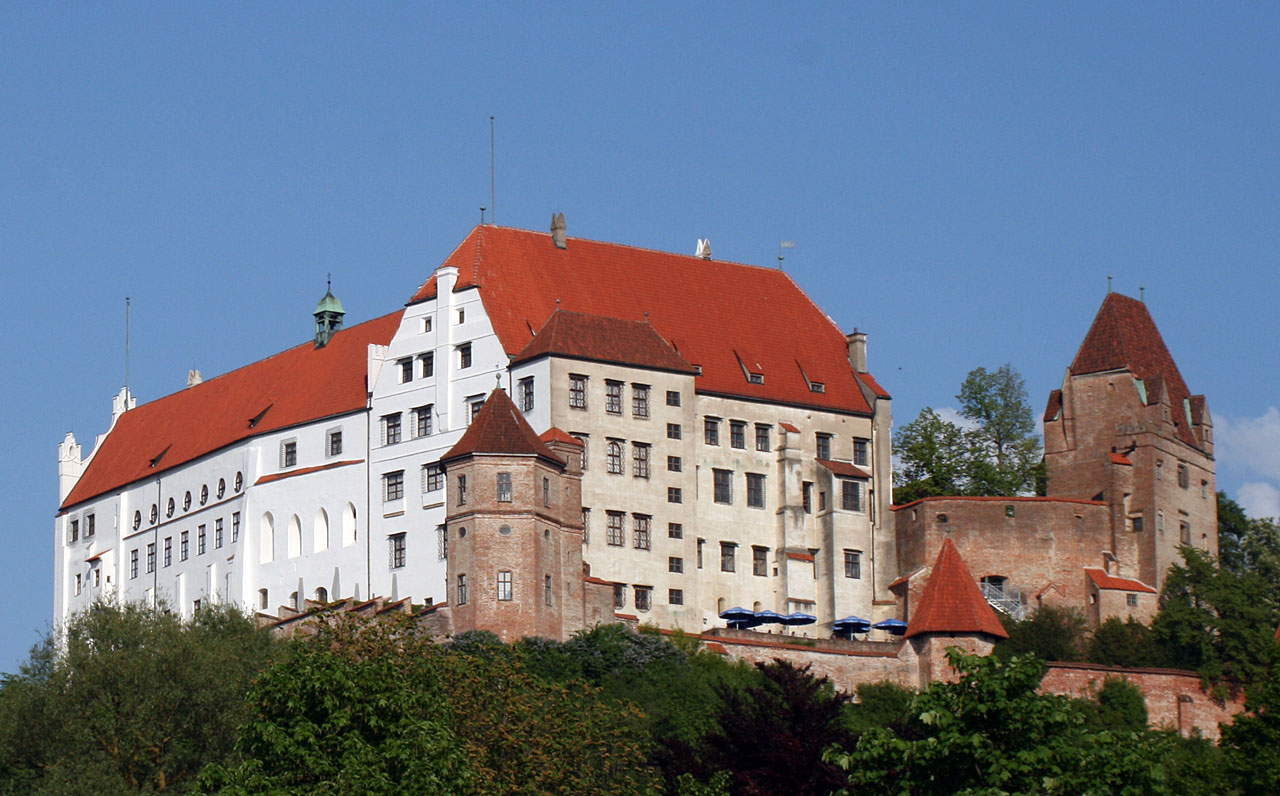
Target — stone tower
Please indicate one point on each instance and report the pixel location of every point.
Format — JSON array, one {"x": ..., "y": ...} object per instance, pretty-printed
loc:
[{"x": 1125, "y": 429}]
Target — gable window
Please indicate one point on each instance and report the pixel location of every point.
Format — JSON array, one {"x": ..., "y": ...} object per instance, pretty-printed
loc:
[
  {"x": 850, "y": 495},
  {"x": 737, "y": 434},
  {"x": 755, "y": 490},
  {"x": 464, "y": 356},
  {"x": 432, "y": 478},
  {"x": 760, "y": 561},
  {"x": 711, "y": 430},
  {"x": 727, "y": 552},
  {"x": 613, "y": 397},
  {"x": 673, "y": 431},
  {"x": 427, "y": 364},
  {"x": 673, "y": 464},
  {"x": 184, "y": 546},
  {"x": 823, "y": 445},
  {"x": 853, "y": 564},
  {"x": 462, "y": 315},
  {"x": 613, "y": 457},
  {"x": 391, "y": 429},
  {"x": 462, "y": 589},
  {"x": 422, "y": 420},
  {"x": 644, "y": 597},
  {"x": 640, "y": 459},
  {"x": 577, "y": 391},
  {"x": 397, "y": 541},
  {"x": 640, "y": 400},
  {"x": 393, "y": 486},
  {"x": 504, "y": 487},
  {"x": 526, "y": 394},
  {"x": 505, "y": 589},
  {"x": 333, "y": 442},
  {"x": 614, "y": 528},
  {"x": 762, "y": 437},
  {"x": 723, "y": 485},
  {"x": 640, "y": 530},
  {"x": 462, "y": 490},
  {"x": 406, "y": 369},
  {"x": 426, "y": 324},
  {"x": 673, "y": 397}
]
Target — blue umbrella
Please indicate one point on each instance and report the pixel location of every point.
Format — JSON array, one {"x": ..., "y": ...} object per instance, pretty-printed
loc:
[
  {"x": 767, "y": 617},
  {"x": 895, "y": 626},
  {"x": 799, "y": 618},
  {"x": 737, "y": 615},
  {"x": 851, "y": 624}
]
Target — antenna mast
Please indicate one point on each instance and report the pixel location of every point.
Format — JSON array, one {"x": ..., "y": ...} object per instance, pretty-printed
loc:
[
  {"x": 493, "y": 204},
  {"x": 784, "y": 244},
  {"x": 126, "y": 344}
]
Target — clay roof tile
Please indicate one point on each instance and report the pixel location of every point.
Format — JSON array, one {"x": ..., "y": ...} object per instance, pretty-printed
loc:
[
  {"x": 952, "y": 601},
  {"x": 500, "y": 428}
]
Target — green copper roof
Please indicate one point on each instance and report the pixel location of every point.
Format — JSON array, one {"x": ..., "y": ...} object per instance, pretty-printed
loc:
[{"x": 330, "y": 303}]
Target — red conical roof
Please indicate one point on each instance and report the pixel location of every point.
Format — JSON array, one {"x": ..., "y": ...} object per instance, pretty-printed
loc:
[
  {"x": 500, "y": 428},
  {"x": 952, "y": 601}
]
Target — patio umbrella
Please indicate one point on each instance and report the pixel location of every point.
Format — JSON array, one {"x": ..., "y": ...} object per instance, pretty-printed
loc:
[
  {"x": 895, "y": 626},
  {"x": 851, "y": 624},
  {"x": 768, "y": 617},
  {"x": 799, "y": 618},
  {"x": 739, "y": 618}
]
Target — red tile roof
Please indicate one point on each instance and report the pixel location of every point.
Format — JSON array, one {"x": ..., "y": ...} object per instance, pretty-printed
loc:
[
  {"x": 1102, "y": 580},
  {"x": 789, "y": 428},
  {"x": 952, "y": 601},
  {"x": 995, "y": 499},
  {"x": 800, "y": 556},
  {"x": 500, "y": 428},
  {"x": 870, "y": 381},
  {"x": 1120, "y": 458},
  {"x": 296, "y": 386},
  {"x": 266, "y": 479},
  {"x": 555, "y": 434},
  {"x": 1124, "y": 336},
  {"x": 703, "y": 307},
  {"x": 602, "y": 339},
  {"x": 844, "y": 468}
]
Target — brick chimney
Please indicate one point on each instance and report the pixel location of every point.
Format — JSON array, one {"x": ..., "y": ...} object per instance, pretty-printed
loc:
[{"x": 857, "y": 350}]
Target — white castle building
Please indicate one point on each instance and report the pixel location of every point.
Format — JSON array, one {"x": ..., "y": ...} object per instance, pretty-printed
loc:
[{"x": 736, "y": 448}]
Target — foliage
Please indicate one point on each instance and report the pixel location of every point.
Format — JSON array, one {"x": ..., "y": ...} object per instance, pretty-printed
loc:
[
  {"x": 133, "y": 700},
  {"x": 1126, "y": 642},
  {"x": 1052, "y": 633},
  {"x": 998, "y": 454},
  {"x": 1247, "y": 545},
  {"x": 883, "y": 704},
  {"x": 1121, "y": 705},
  {"x": 990, "y": 732},
  {"x": 1251, "y": 743}
]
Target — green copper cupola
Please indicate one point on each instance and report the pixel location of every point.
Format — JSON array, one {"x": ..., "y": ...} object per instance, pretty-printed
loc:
[{"x": 328, "y": 314}]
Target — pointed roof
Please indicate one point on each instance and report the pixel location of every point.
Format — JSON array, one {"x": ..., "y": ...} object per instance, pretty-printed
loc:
[
  {"x": 329, "y": 303},
  {"x": 1124, "y": 337},
  {"x": 703, "y": 308},
  {"x": 556, "y": 434},
  {"x": 580, "y": 335},
  {"x": 952, "y": 601},
  {"x": 500, "y": 428}
]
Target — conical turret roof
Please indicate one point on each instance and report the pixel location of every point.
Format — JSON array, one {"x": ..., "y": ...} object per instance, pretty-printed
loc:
[{"x": 952, "y": 601}]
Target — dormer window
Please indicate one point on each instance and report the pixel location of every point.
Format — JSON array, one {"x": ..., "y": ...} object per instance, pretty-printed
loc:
[
  {"x": 817, "y": 386},
  {"x": 755, "y": 378}
]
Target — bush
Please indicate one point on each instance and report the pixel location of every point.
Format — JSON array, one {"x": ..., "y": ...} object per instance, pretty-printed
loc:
[{"x": 1051, "y": 634}]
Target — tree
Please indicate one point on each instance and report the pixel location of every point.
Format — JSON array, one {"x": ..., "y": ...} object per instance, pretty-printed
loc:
[
  {"x": 934, "y": 456},
  {"x": 129, "y": 699},
  {"x": 1126, "y": 642},
  {"x": 1051, "y": 634},
  {"x": 1252, "y": 741}
]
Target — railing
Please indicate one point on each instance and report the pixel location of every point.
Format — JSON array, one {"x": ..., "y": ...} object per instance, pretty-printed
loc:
[{"x": 1005, "y": 599}]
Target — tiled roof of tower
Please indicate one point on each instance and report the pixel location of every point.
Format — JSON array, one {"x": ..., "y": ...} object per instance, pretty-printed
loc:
[
  {"x": 702, "y": 307},
  {"x": 602, "y": 339},
  {"x": 1102, "y": 580},
  {"x": 500, "y": 428},
  {"x": 296, "y": 386},
  {"x": 952, "y": 601},
  {"x": 1124, "y": 335},
  {"x": 555, "y": 434}
]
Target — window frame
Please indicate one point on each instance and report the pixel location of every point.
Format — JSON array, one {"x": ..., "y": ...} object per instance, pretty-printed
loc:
[
  {"x": 722, "y": 486},
  {"x": 613, "y": 457},
  {"x": 578, "y": 391},
  {"x": 640, "y": 408},
  {"x": 506, "y": 586},
  {"x": 764, "y": 432},
  {"x": 393, "y": 486},
  {"x": 615, "y": 528},
  {"x": 397, "y": 550},
  {"x": 738, "y": 434},
  {"x": 641, "y": 531},
  {"x": 641, "y": 454},
  {"x": 392, "y": 428},
  {"x": 728, "y": 556},
  {"x": 759, "y": 561},
  {"x": 525, "y": 386},
  {"x": 853, "y": 564},
  {"x": 504, "y": 487},
  {"x": 755, "y": 490},
  {"x": 464, "y": 355},
  {"x": 612, "y": 397},
  {"x": 711, "y": 431}
]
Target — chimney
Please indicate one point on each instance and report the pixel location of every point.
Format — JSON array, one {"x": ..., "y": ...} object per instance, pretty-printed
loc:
[
  {"x": 704, "y": 249},
  {"x": 194, "y": 377},
  {"x": 857, "y": 350},
  {"x": 557, "y": 230}
]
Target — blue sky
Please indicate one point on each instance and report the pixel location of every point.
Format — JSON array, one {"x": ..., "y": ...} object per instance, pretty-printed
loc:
[{"x": 958, "y": 179}]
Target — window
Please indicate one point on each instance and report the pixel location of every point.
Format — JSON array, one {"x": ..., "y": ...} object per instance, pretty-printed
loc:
[
  {"x": 133, "y": 563},
  {"x": 674, "y": 464},
  {"x": 850, "y": 495},
  {"x": 640, "y": 524},
  {"x": 675, "y": 494},
  {"x": 644, "y": 597},
  {"x": 701, "y": 542},
  {"x": 1159, "y": 470},
  {"x": 397, "y": 541},
  {"x": 168, "y": 512},
  {"x": 853, "y": 564},
  {"x": 73, "y": 531},
  {"x": 151, "y": 557},
  {"x": 822, "y": 500},
  {"x": 582, "y": 438},
  {"x": 1137, "y": 523},
  {"x": 432, "y": 478},
  {"x": 619, "y": 595},
  {"x": 1184, "y": 532},
  {"x": 406, "y": 369},
  {"x": 546, "y": 589},
  {"x": 762, "y": 437},
  {"x": 79, "y": 583},
  {"x": 204, "y": 494},
  {"x": 137, "y": 520},
  {"x": 577, "y": 392},
  {"x": 674, "y": 431},
  {"x": 755, "y": 490},
  {"x": 1184, "y": 476},
  {"x": 393, "y": 486},
  {"x": 546, "y": 492},
  {"x": 639, "y": 400},
  {"x": 1131, "y": 600},
  {"x": 737, "y": 434},
  {"x": 322, "y": 595},
  {"x": 184, "y": 546},
  {"x": 391, "y": 429},
  {"x": 675, "y": 564},
  {"x": 614, "y": 528},
  {"x": 200, "y": 540},
  {"x": 526, "y": 394},
  {"x": 673, "y": 397},
  {"x": 807, "y": 496},
  {"x": 464, "y": 356},
  {"x": 288, "y": 453},
  {"x": 235, "y": 527},
  {"x": 723, "y": 485},
  {"x": 97, "y": 577},
  {"x": 422, "y": 420},
  {"x": 155, "y": 513},
  {"x": 462, "y": 490},
  {"x": 474, "y": 404},
  {"x": 1160, "y": 521},
  {"x": 504, "y": 487},
  {"x": 727, "y": 552},
  {"x": 217, "y": 533},
  {"x": 613, "y": 457},
  {"x": 675, "y": 596},
  {"x": 824, "y": 445},
  {"x": 186, "y": 501},
  {"x": 462, "y": 315},
  {"x": 613, "y": 397},
  {"x": 462, "y": 589},
  {"x": 640, "y": 459},
  {"x": 88, "y": 526},
  {"x": 504, "y": 586},
  {"x": 168, "y": 551},
  {"x": 711, "y": 430},
  {"x": 675, "y": 530},
  {"x": 860, "y": 452},
  {"x": 442, "y": 542},
  {"x": 817, "y": 386},
  {"x": 586, "y": 525},
  {"x": 426, "y": 324},
  {"x": 1204, "y": 493},
  {"x": 427, "y": 363},
  {"x": 222, "y": 487},
  {"x": 760, "y": 561}
]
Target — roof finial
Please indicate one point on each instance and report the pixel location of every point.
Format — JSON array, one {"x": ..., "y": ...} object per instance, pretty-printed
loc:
[
  {"x": 497, "y": 377},
  {"x": 646, "y": 316},
  {"x": 1142, "y": 294},
  {"x": 482, "y": 209},
  {"x": 1108, "y": 278}
]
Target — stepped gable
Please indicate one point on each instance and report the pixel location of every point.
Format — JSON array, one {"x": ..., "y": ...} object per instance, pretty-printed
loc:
[
  {"x": 579, "y": 335},
  {"x": 300, "y": 385},
  {"x": 702, "y": 307},
  {"x": 1124, "y": 336},
  {"x": 952, "y": 601},
  {"x": 500, "y": 428}
]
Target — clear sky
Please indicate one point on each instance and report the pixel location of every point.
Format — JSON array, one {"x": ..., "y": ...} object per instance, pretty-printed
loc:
[{"x": 959, "y": 181}]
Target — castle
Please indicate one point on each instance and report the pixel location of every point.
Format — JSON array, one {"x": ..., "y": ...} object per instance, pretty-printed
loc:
[{"x": 556, "y": 432}]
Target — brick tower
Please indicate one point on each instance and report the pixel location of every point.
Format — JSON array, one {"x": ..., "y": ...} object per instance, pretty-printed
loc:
[{"x": 1125, "y": 429}]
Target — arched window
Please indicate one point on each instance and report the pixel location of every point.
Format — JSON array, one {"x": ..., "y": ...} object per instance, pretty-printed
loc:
[
  {"x": 320, "y": 531},
  {"x": 322, "y": 595},
  {"x": 267, "y": 539},
  {"x": 349, "y": 525},
  {"x": 239, "y": 481},
  {"x": 204, "y": 494},
  {"x": 295, "y": 536},
  {"x": 613, "y": 457},
  {"x": 222, "y": 487}
]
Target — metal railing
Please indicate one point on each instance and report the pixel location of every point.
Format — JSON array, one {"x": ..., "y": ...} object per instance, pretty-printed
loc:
[{"x": 1005, "y": 599}]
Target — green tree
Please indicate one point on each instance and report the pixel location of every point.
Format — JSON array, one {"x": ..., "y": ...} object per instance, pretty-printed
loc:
[
  {"x": 129, "y": 699},
  {"x": 933, "y": 455},
  {"x": 1051, "y": 633},
  {"x": 1126, "y": 642},
  {"x": 1251, "y": 742},
  {"x": 991, "y": 732},
  {"x": 1121, "y": 705}
]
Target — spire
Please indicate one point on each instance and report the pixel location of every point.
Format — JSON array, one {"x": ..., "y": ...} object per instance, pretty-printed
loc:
[
  {"x": 952, "y": 601},
  {"x": 328, "y": 316}
]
